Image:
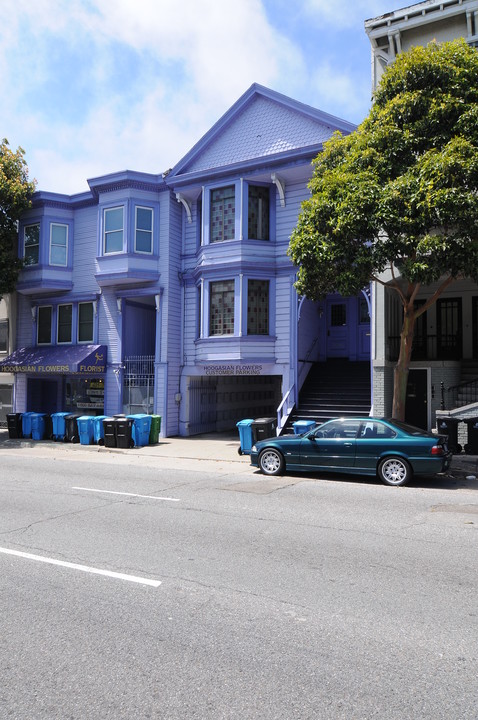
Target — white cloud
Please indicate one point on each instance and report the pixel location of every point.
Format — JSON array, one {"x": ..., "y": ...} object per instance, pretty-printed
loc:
[
  {"x": 347, "y": 13},
  {"x": 185, "y": 65},
  {"x": 336, "y": 88}
]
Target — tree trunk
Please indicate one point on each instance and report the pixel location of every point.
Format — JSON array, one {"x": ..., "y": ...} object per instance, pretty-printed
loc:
[{"x": 400, "y": 378}]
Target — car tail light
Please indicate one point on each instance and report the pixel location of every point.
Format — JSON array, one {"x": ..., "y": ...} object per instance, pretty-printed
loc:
[{"x": 438, "y": 450}]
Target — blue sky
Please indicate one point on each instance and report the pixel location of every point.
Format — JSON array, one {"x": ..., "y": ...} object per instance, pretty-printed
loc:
[{"x": 95, "y": 86}]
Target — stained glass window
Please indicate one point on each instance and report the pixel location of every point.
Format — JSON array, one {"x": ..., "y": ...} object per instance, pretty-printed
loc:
[
  {"x": 222, "y": 216},
  {"x": 258, "y": 307},
  {"x": 221, "y": 308},
  {"x": 258, "y": 213}
]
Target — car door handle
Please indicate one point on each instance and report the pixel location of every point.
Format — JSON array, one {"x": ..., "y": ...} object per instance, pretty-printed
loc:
[{"x": 348, "y": 444}]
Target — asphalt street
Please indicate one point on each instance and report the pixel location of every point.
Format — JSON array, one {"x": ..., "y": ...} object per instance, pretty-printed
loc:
[{"x": 145, "y": 586}]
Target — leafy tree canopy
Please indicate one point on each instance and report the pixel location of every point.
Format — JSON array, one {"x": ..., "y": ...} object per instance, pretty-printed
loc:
[
  {"x": 400, "y": 192},
  {"x": 15, "y": 194}
]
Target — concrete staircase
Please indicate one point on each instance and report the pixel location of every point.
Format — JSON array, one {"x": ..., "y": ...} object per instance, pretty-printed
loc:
[{"x": 336, "y": 388}]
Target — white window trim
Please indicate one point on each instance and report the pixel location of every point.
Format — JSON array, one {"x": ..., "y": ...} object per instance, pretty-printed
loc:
[
  {"x": 106, "y": 210},
  {"x": 65, "y": 264},
  {"x": 143, "y": 207}
]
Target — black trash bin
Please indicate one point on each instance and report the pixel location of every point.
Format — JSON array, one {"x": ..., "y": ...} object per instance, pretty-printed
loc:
[
  {"x": 449, "y": 426},
  {"x": 72, "y": 433},
  {"x": 263, "y": 428},
  {"x": 109, "y": 432},
  {"x": 48, "y": 427},
  {"x": 471, "y": 447},
  {"x": 14, "y": 424},
  {"x": 124, "y": 432}
]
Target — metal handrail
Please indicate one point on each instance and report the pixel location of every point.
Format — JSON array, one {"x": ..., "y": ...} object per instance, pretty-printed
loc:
[
  {"x": 280, "y": 413},
  {"x": 468, "y": 389}
]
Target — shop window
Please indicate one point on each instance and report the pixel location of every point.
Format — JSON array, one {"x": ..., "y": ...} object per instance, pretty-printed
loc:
[
  {"x": 86, "y": 396},
  {"x": 143, "y": 231},
  {"x": 4, "y": 336},
  {"x": 31, "y": 247},
  {"x": 58, "y": 244},
  {"x": 65, "y": 315},
  {"x": 221, "y": 308},
  {"x": 222, "y": 214},
  {"x": 113, "y": 230},
  {"x": 258, "y": 213},
  {"x": 85, "y": 322},
  {"x": 258, "y": 307},
  {"x": 44, "y": 325}
]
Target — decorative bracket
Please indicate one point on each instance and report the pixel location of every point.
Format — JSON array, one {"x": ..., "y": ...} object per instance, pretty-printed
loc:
[
  {"x": 280, "y": 185},
  {"x": 186, "y": 204},
  {"x": 119, "y": 305}
]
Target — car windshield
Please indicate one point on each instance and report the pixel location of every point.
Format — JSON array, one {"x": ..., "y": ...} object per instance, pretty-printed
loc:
[{"x": 410, "y": 429}]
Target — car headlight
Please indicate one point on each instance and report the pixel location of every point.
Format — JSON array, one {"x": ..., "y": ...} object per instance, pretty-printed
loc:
[{"x": 253, "y": 448}]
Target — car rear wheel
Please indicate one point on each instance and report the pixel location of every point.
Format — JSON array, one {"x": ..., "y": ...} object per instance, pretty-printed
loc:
[
  {"x": 394, "y": 471},
  {"x": 271, "y": 462}
]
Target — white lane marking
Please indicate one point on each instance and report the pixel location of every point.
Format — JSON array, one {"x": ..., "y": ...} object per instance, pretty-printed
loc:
[
  {"x": 114, "y": 492},
  {"x": 83, "y": 568}
]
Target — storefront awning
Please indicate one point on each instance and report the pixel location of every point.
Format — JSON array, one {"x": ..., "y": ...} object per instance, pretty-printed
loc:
[{"x": 55, "y": 359}]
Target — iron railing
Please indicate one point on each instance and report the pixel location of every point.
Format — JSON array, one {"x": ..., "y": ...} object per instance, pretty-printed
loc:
[
  {"x": 464, "y": 393},
  {"x": 429, "y": 347}
]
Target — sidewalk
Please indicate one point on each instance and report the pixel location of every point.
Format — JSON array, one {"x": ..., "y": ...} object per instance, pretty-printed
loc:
[{"x": 212, "y": 447}]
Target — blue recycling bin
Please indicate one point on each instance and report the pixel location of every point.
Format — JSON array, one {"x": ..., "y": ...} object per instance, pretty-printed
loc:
[
  {"x": 59, "y": 425},
  {"x": 98, "y": 429},
  {"x": 85, "y": 429},
  {"x": 141, "y": 429},
  {"x": 301, "y": 426},
  {"x": 245, "y": 436},
  {"x": 38, "y": 425},
  {"x": 27, "y": 424}
]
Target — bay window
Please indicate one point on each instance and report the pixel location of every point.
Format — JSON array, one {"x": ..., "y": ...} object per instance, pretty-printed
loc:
[
  {"x": 258, "y": 307},
  {"x": 58, "y": 244},
  {"x": 221, "y": 307},
  {"x": 31, "y": 244},
  {"x": 222, "y": 216},
  {"x": 143, "y": 231},
  {"x": 113, "y": 230},
  {"x": 258, "y": 212}
]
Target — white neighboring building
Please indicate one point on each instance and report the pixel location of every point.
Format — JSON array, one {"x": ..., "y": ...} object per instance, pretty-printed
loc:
[{"x": 419, "y": 24}]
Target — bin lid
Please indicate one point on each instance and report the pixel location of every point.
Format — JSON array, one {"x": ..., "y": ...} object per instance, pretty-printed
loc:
[
  {"x": 248, "y": 421},
  {"x": 265, "y": 420}
]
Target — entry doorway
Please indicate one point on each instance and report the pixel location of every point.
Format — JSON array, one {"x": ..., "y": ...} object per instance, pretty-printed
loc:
[
  {"x": 337, "y": 329},
  {"x": 416, "y": 407},
  {"x": 42, "y": 395}
]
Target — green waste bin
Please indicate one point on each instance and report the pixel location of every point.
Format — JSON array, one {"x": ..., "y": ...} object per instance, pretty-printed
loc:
[{"x": 155, "y": 429}]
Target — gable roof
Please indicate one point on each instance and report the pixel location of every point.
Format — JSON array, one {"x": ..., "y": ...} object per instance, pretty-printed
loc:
[{"x": 261, "y": 125}]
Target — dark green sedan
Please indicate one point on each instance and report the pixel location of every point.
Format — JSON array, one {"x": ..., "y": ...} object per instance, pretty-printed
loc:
[{"x": 392, "y": 450}]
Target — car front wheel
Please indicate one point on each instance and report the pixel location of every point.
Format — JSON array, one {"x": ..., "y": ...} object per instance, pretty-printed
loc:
[
  {"x": 271, "y": 462},
  {"x": 394, "y": 471}
]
